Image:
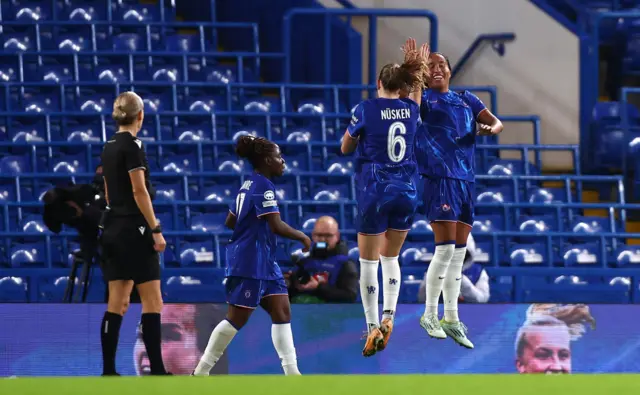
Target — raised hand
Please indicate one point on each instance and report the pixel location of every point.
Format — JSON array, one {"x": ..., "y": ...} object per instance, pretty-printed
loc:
[
  {"x": 409, "y": 48},
  {"x": 425, "y": 51}
]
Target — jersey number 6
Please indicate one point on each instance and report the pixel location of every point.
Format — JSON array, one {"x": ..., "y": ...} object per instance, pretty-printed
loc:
[{"x": 396, "y": 130}]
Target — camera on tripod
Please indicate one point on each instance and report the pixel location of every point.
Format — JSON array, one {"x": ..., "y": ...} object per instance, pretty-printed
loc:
[{"x": 80, "y": 207}]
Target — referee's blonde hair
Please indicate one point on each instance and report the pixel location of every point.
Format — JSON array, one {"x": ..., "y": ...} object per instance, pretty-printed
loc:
[{"x": 126, "y": 108}]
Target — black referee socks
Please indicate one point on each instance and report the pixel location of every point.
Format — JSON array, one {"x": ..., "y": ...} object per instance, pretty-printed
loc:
[
  {"x": 109, "y": 334},
  {"x": 152, "y": 337}
]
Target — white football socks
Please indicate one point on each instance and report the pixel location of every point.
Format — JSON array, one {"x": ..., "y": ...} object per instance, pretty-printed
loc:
[
  {"x": 283, "y": 342},
  {"x": 436, "y": 274},
  {"x": 452, "y": 283},
  {"x": 369, "y": 291},
  {"x": 390, "y": 285},
  {"x": 218, "y": 342}
]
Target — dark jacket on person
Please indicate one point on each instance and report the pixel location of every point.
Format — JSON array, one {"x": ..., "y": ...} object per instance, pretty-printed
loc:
[{"x": 333, "y": 268}]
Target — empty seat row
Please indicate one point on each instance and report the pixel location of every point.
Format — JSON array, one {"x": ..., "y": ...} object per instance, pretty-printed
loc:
[
  {"x": 200, "y": 251},
  {"x": 209, "y": 288},
  {"x": 77, "y": 42},
  {"x": 84, "y": 11}
]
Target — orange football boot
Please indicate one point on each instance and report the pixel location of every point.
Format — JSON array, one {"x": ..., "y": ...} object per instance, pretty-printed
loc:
[
  {"x": 374, "y": 339},
  {"x": 385, "y": 328}
]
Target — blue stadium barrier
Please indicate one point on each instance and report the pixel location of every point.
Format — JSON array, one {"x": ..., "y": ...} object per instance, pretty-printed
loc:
[
  {"x": 44, "y": 153},
  {"x": 607, "y": 242},
  {"x": 579, "y": 180},
  {"x": 332, "y": 92},
  {"x": 496, "y": 39},
  {"x": 239, "y": 57},
  {"x": 525, "y": 149},
  {"x": 519, "y": 274},
  {"x": 589, "y": 69},
  {"x": 373, "y": 15},
  {"x": 624, "y": 115}
]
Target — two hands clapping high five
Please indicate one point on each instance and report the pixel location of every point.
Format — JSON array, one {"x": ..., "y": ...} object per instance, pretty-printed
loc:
[{"x": 410, "y": 51}]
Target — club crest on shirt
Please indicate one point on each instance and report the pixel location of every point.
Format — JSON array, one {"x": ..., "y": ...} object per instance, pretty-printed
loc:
[{"x": 446, "y": 207}]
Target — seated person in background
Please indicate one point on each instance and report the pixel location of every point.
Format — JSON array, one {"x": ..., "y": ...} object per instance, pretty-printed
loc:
[
  {"x": 475, "y": 280},
  {"x": 325, "y": 274}
]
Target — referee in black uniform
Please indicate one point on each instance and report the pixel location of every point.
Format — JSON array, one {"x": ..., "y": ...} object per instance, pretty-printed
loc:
[{"x": 132, "y": 238}]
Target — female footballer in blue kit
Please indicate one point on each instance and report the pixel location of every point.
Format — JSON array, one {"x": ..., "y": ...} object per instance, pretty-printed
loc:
[
  {"x": 253, "y": 275},
  {"x": 445, "y": 150},
  {"x": 383, "y": 130}
]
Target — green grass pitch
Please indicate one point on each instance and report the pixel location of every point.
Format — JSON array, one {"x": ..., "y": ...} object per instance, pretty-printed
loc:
[{"x": 328, "y": 385}]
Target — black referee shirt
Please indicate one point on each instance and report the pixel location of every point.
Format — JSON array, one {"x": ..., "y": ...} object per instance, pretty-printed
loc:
[{"x": 122, "y": 155}]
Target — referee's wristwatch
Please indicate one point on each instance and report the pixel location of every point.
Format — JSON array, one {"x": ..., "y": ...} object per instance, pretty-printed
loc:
[{"x": 157, "y": 229}]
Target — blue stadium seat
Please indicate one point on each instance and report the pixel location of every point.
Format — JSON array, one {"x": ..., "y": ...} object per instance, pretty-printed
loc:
[
  {"x": 190, "y": 289},
  {"x": 53, "y": 289},
  {"x": 534, "y": 225},
  {"x": 409, "y": 290},
  {"x": 197, "y": 254},
  {"x": 13, "y": 290},
  {"x": 547, "y": 196},
  {"x": 169, "y": 192},
  {"x": 627, "y": 256},
  {"x": 581, "y": 255},
  {"x": 208, "y": 222},
  {"x": 415, "y": 254},
  {"x": 495, "y": 198},
  {"x": 528, "y": 255},
  {"x": 28, "y": 255}
]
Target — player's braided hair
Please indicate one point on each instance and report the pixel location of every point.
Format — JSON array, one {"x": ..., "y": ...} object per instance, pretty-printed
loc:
[
  {"x": 404, "y": 77},
  {"x": 126, "y": 108},
  {"x": 254, "y": 149}
]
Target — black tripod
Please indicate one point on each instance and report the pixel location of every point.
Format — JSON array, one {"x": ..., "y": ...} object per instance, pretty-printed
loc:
[
  {"x": 78, "y": 260},
  {"x": 85, "y": 257}
]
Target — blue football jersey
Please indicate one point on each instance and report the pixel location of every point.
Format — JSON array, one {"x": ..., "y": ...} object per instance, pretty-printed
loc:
[
  {"x": 251, "y": 252},
  {"x": 387, "y": 130},
  {"x": 445, "y": 146}
]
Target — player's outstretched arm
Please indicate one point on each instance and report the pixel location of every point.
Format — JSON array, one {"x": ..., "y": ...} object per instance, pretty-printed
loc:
[
  {"x": 410, "y": 51},
  {"x": 279, "y": 227}
]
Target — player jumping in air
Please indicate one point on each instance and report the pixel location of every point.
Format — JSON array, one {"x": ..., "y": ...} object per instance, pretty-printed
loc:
[
  {"x": 253, "y": 276},
  {"x": 383, "y": 130},
  {"x": 445, "y": 149}
]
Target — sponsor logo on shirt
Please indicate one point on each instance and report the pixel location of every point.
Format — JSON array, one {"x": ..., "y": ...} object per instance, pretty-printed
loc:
[
  {"x": 269, "y": 195},
  {"x": 270, "y": 203}
]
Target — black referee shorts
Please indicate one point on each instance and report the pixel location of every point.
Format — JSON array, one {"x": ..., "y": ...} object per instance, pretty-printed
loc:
[{"x": 127, "y": 249}]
